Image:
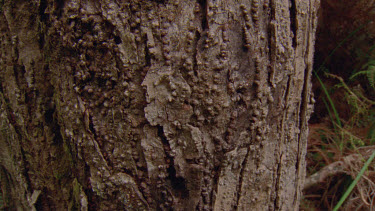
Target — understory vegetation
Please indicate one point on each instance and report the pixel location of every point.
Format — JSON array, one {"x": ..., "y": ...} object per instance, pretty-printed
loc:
[{"x": 341, "y": 145}]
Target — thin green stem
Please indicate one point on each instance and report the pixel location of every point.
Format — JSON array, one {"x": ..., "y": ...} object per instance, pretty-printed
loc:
[
  {"x": 354, "y": 183},
  {"x": 329, "y": 100}
]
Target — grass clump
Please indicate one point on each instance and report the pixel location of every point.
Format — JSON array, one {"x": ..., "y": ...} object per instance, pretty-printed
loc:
[{"x": 341, "y": 151}]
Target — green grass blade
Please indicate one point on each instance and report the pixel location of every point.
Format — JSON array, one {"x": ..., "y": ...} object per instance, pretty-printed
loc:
[
  {"x": 354, "y": 183},
  {"x": 340, "y": 144},
  {"x": 329, "y": 100},
  {"x": 329, "y": 113}
]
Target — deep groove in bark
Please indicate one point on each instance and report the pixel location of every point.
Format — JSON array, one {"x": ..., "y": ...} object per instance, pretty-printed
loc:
[
  {"x": 273, "y": 9},
  {"x": 58, "y": 10},
  {"x": 25, "y": 170},
  {"x": 195, "y": 53},
  {"x": 43, "y": 17},
  {"x": 147, "y": 54},
  {"x": 55, "y": 127},
  {"x": 293, "y": 21},
  {"x": 203, "y": 4},
  {"x": 88, "y": 190},
  {"x": 178, "y": 183},
  {"x": 287, "y": 90},
  {"x": 242, "y": 173},
  {"x": 42, "y": 9},
  {"x": 302, "y": 119},
  {"x": 303, "y": 108},
  {"x": 272, "y": 36},
  {"x": 276, "y": 201}
]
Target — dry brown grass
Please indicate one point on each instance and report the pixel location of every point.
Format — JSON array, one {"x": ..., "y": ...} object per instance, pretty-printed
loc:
[{"x": 331, "y": 170}]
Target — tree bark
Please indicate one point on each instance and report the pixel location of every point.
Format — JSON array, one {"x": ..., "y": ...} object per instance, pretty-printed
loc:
[{"x": 155, "y": 105}]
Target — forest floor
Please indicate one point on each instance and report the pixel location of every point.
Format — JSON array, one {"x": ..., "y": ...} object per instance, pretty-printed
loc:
[
  {"x": 337, "y": 151},
  {"x": 342, "y": 127}
]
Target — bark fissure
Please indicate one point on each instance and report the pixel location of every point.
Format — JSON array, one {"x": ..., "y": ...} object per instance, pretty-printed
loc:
[
  {"x": 178, "y": 183},
  {"x": 242, "y": 175},
  {"x": 303, "y": 110},
  {"x": 277, "y": 183},
  {"x": 42, "y": 8},
  {"x": 287, "y": 93},
  {"x": 272, "y": 41},
  {"x": 25, "y": 171},
  {"x": 13, "y": 119},
  {"x": 305, "y": 103},
  {"x": 148, "y": 57},
  {"x": 195, "y": 52},
  {"x": 204, "y": 10},
  {"x": 293, "y": 22},
  {"x": 301, "y": 142}
]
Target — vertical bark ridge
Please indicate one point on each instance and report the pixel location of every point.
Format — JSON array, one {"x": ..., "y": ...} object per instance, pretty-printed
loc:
[{"x": 306, "y": 104}]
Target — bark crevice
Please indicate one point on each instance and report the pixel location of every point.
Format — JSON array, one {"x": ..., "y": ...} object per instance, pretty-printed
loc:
[{"x": 293, "y": 21}]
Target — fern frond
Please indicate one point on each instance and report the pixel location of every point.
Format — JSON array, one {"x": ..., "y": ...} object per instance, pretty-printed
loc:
[
  {"x": 371, "y": 75},
  {"x": 368, "y": 70}
]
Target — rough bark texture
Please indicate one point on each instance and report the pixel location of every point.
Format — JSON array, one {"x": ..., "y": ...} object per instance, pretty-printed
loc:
[{"x": 147, "y": 105}]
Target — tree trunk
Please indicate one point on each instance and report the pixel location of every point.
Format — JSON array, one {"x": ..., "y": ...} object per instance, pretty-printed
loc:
[{"x": 155, "y": 105}]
